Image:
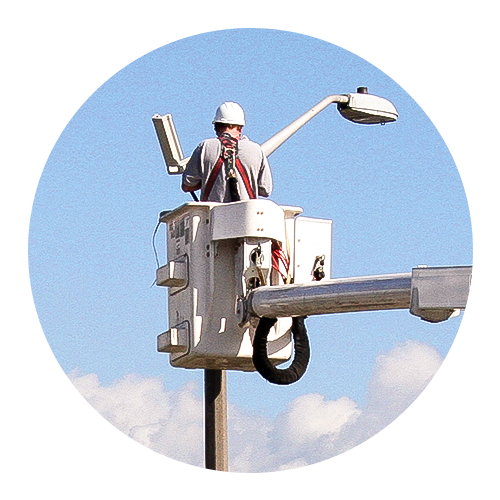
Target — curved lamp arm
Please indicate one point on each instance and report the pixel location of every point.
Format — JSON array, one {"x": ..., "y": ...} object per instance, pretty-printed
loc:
[
  {"x": 278, "y": 139},
  {"x": 359, "y": 107}
]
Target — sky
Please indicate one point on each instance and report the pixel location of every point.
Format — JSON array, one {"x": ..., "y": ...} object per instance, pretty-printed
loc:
[
  {"x": 123, "y": 187},
  {"x": 393, "y": 192}
]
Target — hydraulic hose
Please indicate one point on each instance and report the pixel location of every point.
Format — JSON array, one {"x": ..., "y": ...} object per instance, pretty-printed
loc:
[{"x": 300, "y": 361}]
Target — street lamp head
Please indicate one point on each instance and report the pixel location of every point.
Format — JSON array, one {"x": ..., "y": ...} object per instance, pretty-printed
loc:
[{"x": 368, "y": 109}]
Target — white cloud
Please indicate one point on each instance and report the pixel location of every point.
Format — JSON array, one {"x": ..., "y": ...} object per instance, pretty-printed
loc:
[
  {"x": 400, "y": 376},
  {"x": 311, "y": 429},
  {"x": 329, "y": 417},
  {"x": 397, "y": 380},
  {"x": 169, "y": 422}
]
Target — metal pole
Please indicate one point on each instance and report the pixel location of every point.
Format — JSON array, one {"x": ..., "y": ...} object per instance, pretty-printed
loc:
[
  {"x": 273, "y": 143},
  {"x": 216, "y": 448},
  {"x": 340, "y": 295}
]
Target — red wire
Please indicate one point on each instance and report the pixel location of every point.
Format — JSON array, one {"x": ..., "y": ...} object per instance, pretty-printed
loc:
[{"x": 277, "y": 255}]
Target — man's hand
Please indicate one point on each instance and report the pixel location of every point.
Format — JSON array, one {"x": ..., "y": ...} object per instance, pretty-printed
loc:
[{"x": 189, "y": 189}]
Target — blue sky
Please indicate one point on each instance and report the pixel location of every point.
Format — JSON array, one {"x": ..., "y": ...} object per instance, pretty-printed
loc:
[{"x": 393, "y": 192}]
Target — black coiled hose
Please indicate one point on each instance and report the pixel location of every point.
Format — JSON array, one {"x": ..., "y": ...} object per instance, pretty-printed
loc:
[{"x": 300, "y": 361}]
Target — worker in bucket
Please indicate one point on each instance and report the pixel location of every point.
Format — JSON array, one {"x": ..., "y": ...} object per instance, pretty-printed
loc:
[{"x": 229, "y": 167}]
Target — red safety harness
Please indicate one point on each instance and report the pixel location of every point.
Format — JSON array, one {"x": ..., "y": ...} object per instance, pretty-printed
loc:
[{"x": 229, "y": 157}]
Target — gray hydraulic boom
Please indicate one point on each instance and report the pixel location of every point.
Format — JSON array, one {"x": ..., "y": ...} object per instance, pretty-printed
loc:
[{"x": 432, "y": 293}]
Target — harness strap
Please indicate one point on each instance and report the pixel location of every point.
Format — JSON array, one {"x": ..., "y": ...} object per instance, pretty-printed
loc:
[
  {"x": 246, "y": 180},
  {"x": 212, "y": 177},
  {"x": 229, "y": 147}
]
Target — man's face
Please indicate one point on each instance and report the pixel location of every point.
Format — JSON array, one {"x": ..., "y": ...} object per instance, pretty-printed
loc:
[{"x": 232, "y": 130}]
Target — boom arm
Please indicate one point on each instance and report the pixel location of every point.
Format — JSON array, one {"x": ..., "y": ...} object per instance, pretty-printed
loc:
[{"x": 432, "y": 293}]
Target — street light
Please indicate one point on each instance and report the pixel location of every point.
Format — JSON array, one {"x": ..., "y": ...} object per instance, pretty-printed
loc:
[{"x": 359, "y": 107}]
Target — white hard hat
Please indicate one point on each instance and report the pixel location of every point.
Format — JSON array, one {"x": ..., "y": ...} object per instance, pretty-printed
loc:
[{"x": 230, "y": 113}]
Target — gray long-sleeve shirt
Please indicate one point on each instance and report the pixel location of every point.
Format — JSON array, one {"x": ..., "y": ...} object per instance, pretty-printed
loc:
[{"x": 205, "y": 157}]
